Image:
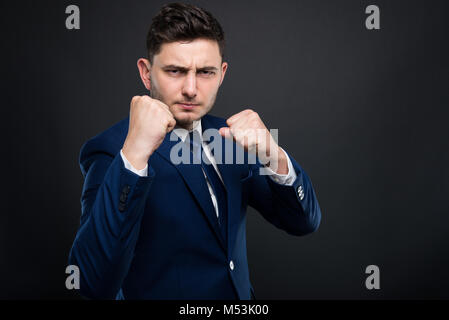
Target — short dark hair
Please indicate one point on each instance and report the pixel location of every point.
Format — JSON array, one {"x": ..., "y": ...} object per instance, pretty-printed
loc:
[{"x": 182, "y": 22}]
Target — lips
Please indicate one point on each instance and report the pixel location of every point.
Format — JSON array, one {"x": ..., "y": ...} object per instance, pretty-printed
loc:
[{"x": 188, "y": 106}]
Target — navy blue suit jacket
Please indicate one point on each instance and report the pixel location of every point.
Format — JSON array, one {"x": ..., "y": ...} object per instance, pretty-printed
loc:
[{"x": 157, "y": 237}]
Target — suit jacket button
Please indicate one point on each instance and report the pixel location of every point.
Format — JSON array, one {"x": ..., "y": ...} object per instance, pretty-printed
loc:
[
  {"x": 123, "y": 197},
  {"x": 300, "y": 193},
  {"x": 126, "y": 189},
  {"x": 231, "y": 265}
]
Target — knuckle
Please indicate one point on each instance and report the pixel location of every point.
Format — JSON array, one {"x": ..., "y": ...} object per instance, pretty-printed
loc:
[
  {"x": 159, "y": 105},
  {"x": 157, "y": 110},
  {"x": 134, "y": 101},
  {"x": 154, "y": 105},
  {"x": 145, "y": 99},
  {"x": 237, "y": 133}
]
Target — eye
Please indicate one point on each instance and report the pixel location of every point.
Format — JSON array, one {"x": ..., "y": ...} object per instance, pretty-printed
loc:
[
  {"x": 207, "y": 73},
  {"x": 173, "y": 71}
]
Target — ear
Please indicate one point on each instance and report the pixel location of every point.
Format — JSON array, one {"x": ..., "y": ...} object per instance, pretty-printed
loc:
[
  {"x": 224, "y": 67},
  {"x": 144, "y": 67}
]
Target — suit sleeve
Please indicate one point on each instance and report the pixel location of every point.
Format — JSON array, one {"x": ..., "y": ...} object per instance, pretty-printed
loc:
[
  {"x": 112, "y": 204},
  {"x": 293, "y": 208}
]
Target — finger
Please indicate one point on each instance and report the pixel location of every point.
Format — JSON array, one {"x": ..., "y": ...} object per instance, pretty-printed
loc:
[
  {"x": 235, "y": 117},
  {"x": 159, "y": 103},
  {"x": 239, "y": 123},
  {"x": 238, "y": 115},
  {"x": 171, "y": 125},
  {"x": 165, "y": 107},
  {"x": 168, "y": 112},
  {"x": 135, "y": 99},
  {"x": 239, "y": 135},
  {"x": 225, "y": 132}
]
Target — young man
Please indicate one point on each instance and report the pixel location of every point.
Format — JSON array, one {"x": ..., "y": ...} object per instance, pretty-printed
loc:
[{"x": 155, "y": 229}]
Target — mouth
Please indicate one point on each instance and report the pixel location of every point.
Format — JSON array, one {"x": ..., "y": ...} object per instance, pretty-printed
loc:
[{"x": 188, "y": 106}]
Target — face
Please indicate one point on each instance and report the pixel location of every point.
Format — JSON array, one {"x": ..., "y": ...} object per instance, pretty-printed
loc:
[{"x": 186, "y": 77}]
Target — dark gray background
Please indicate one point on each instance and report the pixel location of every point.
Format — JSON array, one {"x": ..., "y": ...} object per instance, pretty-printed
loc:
[{"x": 364, "y": 112}]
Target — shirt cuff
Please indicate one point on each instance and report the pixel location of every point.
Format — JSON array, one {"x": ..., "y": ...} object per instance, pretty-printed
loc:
[
  {"x": 129, "y": 166},
  {"x": 284, "y": 179}
]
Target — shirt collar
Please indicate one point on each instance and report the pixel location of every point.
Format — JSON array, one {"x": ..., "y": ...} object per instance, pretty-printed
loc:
[{"x": 183, "y": 133}]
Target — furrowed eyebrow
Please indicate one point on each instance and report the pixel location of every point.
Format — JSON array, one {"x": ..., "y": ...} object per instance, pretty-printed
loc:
[
  {"x": 172, "y": 66},
  {"x": 207, "y": 69},
  {"x": 183, "y": 69}
]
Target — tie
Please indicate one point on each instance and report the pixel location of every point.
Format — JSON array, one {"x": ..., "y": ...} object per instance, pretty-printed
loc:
[{"x": 214, "y": 180}]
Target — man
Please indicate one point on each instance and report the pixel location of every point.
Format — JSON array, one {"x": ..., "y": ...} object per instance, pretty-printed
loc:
[{"x": 155, "y": 229}]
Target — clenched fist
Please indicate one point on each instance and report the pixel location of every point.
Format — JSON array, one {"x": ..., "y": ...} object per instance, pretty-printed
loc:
[
  {"x": 248, "y": 130},
  {"x": 149, "y": 121}
]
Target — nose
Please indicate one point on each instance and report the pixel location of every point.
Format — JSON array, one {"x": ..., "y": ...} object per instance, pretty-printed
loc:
[{"x": 189, "y": 86}]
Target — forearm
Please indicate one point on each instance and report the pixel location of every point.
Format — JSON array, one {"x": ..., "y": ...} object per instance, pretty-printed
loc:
[
  {"x": 296, "y": 206},
  {"x": 291, "y": 207},
  {"x": 104, "y": 245}
]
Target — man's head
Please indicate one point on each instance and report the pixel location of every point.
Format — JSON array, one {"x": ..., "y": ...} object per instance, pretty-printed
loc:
[{"x": 185, "y": 61}]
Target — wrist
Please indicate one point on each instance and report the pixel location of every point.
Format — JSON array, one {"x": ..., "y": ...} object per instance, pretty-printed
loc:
[
  {"x": 278, "y": 162},
  {"x": 135, "y": 156}
]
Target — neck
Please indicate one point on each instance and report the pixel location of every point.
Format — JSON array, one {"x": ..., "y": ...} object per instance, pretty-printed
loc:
[{"x": 189, "y": 126}]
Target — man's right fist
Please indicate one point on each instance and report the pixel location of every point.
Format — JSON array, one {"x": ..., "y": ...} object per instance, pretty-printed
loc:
[{"x": 149, "y": 121}]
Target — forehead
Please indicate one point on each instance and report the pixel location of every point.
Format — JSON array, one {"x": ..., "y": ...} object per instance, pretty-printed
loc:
[{"x": 195, "y": 53}]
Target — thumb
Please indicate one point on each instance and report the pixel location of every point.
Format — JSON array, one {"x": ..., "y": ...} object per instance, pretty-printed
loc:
[{"x": 225, "y": 132}]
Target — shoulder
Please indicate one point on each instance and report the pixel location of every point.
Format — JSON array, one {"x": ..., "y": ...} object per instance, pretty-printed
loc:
[{"x": 109, "y": 142}]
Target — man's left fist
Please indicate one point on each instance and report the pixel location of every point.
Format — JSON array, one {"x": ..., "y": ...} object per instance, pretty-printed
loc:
[{"x": 248, "y": 130}]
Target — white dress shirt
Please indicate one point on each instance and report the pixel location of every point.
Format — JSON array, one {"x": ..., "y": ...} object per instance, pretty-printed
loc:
[{"x": 284, "y": 179}]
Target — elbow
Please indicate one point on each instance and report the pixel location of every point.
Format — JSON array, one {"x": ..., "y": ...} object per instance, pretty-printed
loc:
[
  {"x": 92, "y": 284},
  {"x": 307, "y": 225},
  {"x": 84, "y": 289},
  {"x": 313, "y": 219},
  {"x": 315, "y": 223}
]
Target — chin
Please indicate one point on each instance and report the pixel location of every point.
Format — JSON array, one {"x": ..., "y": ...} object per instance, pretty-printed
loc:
[{"x": 186, "y": 118}]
